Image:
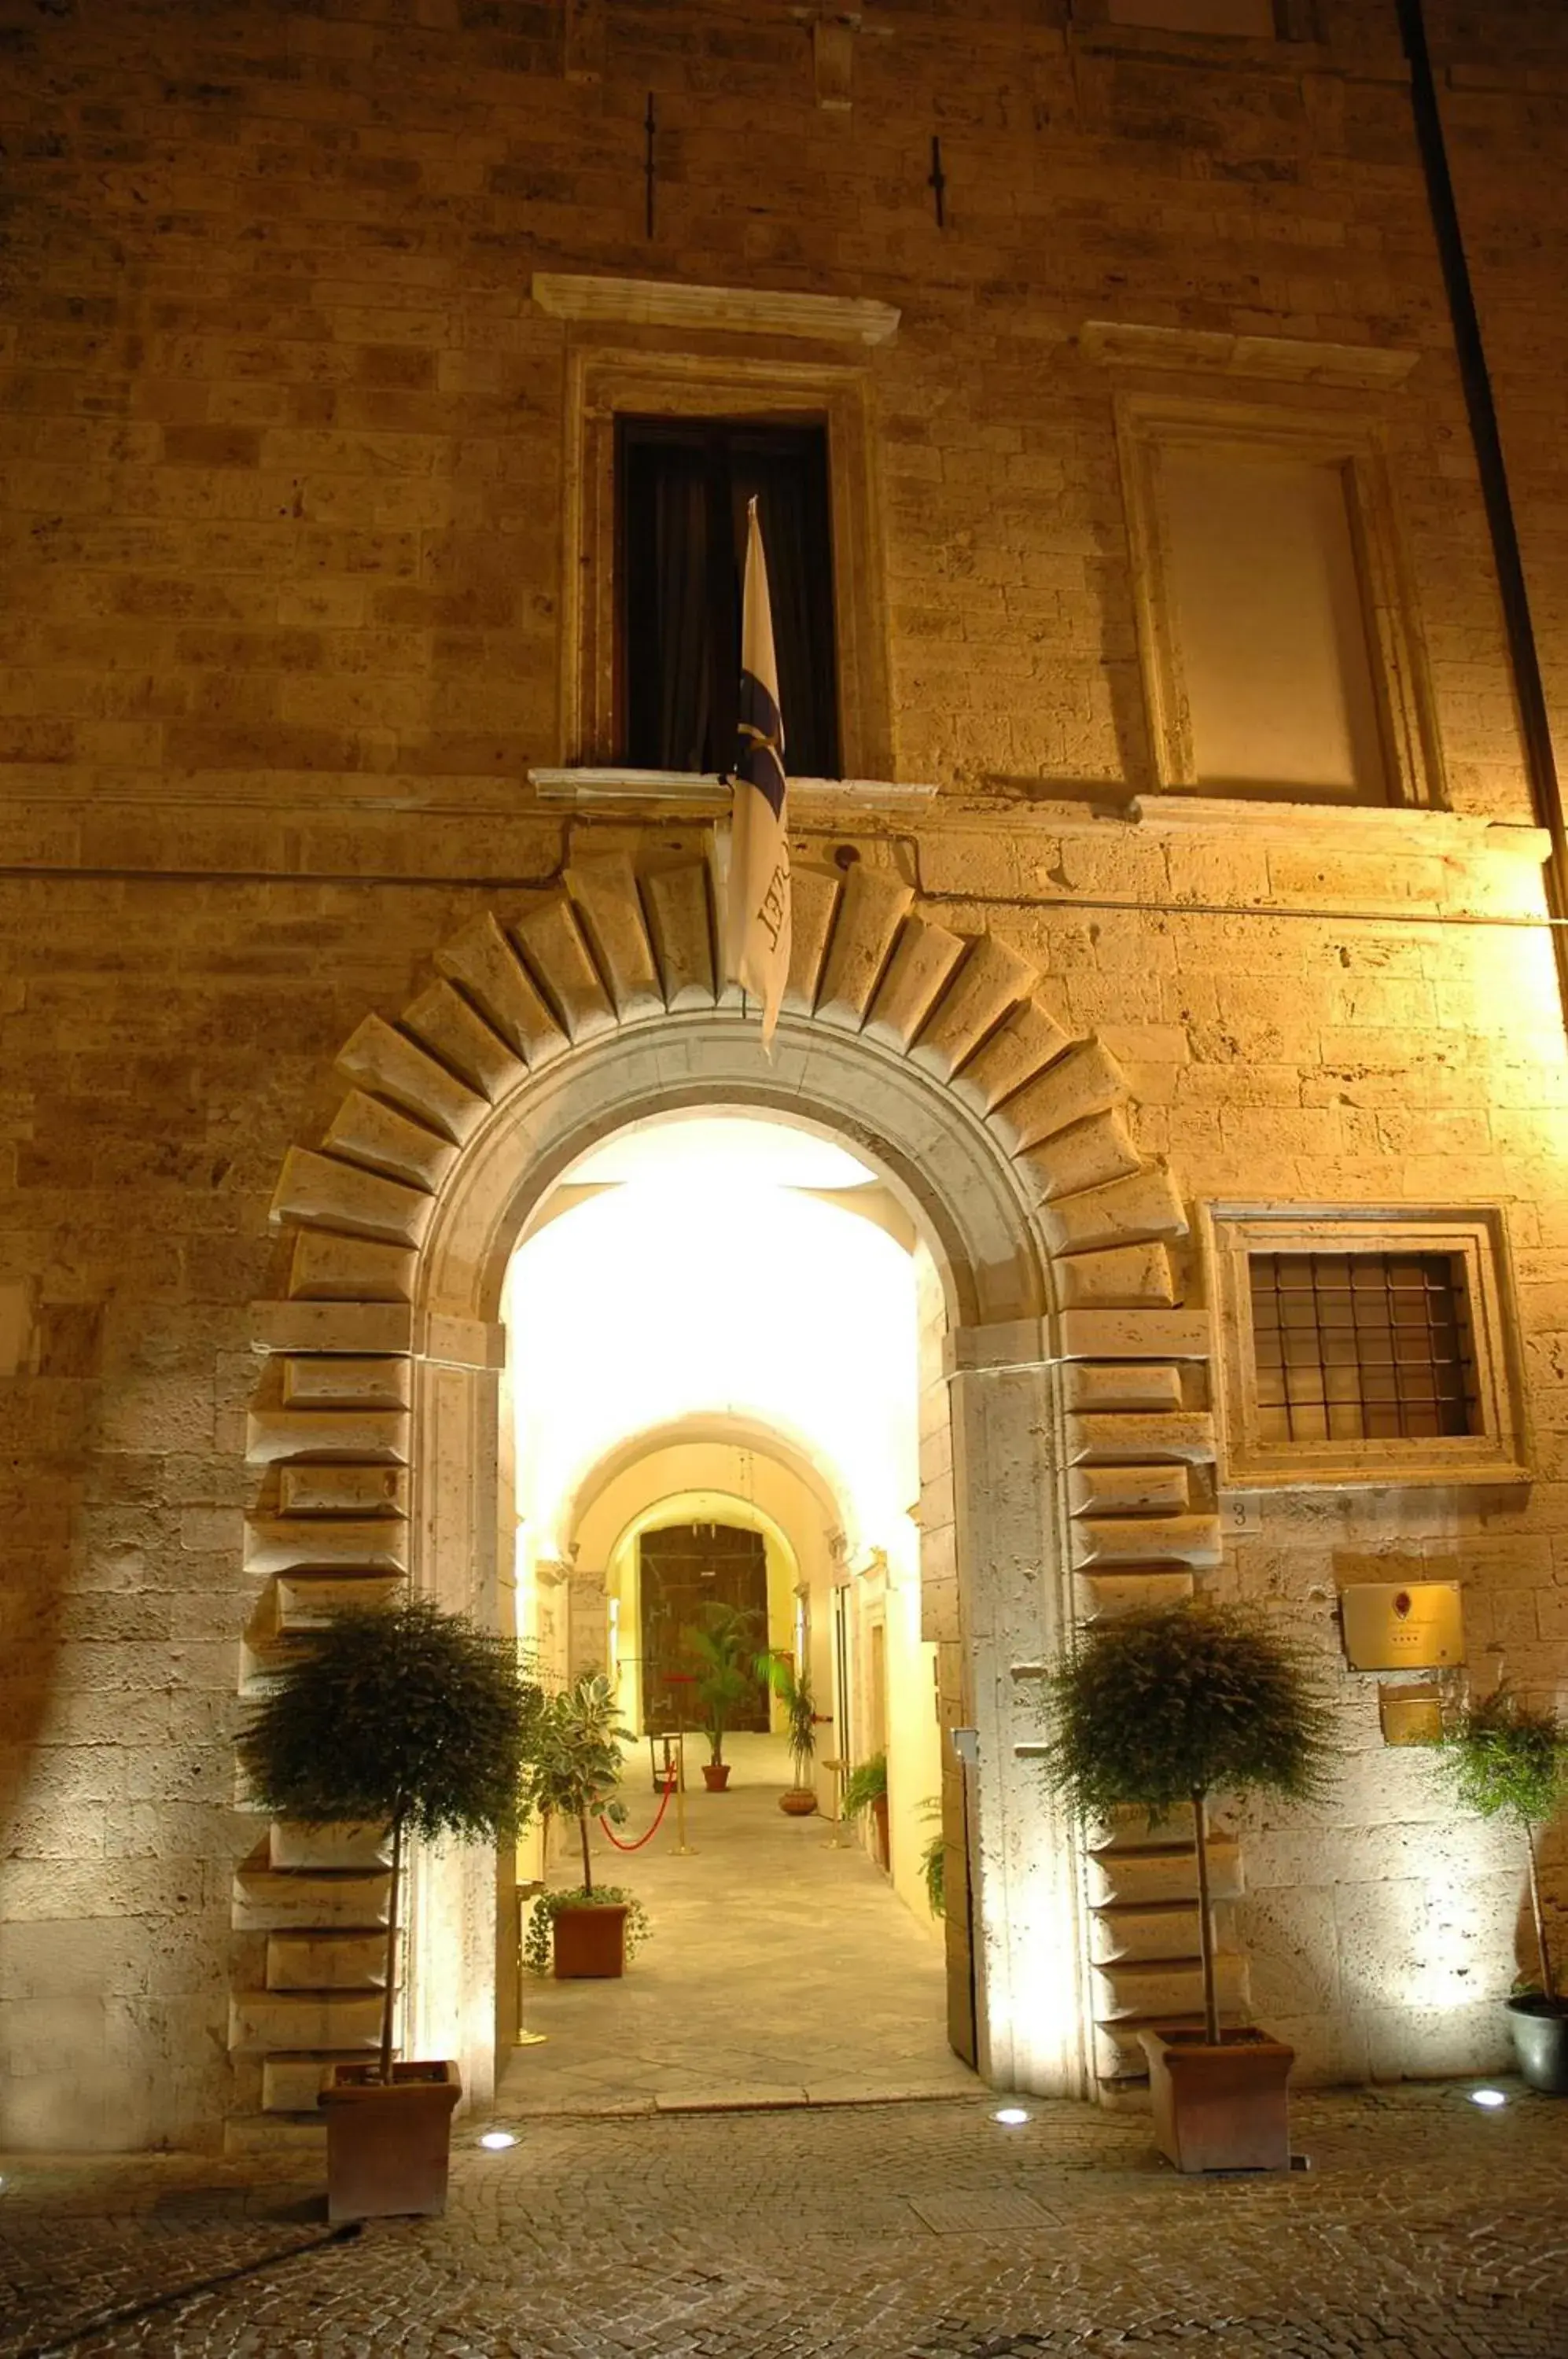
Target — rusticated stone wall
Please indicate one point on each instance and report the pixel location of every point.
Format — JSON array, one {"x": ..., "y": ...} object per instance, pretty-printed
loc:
[{"x": 284, "y": 458}]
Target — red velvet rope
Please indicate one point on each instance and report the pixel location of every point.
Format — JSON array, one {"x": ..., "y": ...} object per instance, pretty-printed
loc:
[{"x": 663, "y": 1806}]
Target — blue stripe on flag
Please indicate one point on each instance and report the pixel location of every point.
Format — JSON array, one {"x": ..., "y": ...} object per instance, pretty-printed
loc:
[{"x": 758, "y": 757}]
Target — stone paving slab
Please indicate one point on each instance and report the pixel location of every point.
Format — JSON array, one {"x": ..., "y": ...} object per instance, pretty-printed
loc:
[{"x": 1425, "y": 2230}]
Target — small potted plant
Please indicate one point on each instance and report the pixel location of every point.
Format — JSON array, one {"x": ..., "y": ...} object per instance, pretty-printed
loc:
[
  {"x": 417, "y": 1720},
  {"x": 722, "y": 1646},
  {"x": 933, "y": 1859},
  {"x": 865, "y": 1788},
  {"x": 1505, "y": 1758},
  {"x": 1166, "y": 1707},
  {"x": 792, "y": 1687},
  {"x": 573, "y": 1769}
]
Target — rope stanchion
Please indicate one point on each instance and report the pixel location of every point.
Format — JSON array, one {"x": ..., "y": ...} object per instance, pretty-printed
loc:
[{"x": 663, "y": 1806}]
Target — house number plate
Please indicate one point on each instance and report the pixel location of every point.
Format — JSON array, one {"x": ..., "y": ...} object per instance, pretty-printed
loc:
[{"x": 1413, "y": 1625}]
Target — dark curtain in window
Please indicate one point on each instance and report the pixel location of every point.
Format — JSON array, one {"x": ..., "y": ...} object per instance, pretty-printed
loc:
[{"x": 683, "y": 489}]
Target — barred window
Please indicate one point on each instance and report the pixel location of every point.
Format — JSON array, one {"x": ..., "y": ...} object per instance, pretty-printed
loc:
[{"x": 1365, "y": 1346}]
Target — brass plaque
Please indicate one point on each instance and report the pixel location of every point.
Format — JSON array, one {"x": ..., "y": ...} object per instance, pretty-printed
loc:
[
  {"x": 1411, "y": 1716},
  {"x": 1413, "y": 1625}
]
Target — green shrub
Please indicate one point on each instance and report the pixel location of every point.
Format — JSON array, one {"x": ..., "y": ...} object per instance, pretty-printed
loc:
[{"x": 407, "y": 1716}]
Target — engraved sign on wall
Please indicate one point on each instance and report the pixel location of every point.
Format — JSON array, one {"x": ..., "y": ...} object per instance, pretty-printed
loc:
[{"x": 1413, "y": 1625}]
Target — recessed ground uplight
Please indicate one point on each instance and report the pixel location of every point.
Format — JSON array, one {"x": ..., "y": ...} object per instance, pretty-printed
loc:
[
  {"x": 1011, "y": 2115},
  {"x": 497, "y": 2139},
  {"x": 1490, "y": 2098}
]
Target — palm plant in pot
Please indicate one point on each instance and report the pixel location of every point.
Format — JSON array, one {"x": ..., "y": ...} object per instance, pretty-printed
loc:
[
  {"x": 792, "y": 1687},
  {"x": 1505, "y": 1758},
  {"x": 574, "y": 1767},
  {"x": 1161, "y": 1709},
  {"x": 417, "y": 1720},
  {"x": 723, "y": 1649},
  {"x": 865, "y": 1788}
]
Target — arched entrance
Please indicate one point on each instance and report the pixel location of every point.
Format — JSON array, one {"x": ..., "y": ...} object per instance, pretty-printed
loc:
[{"x": 1057, "y": 1369}]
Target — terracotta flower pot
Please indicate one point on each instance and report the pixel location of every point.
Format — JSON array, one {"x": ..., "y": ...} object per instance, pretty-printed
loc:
[
  {"x": 884, "y": 1840},
  {"x": 1224, "y": 2108},
  {"x": 387, "y": 2147},
  {"x": 590, "y": 1941},
  {"x": 798, "y": 1801},
  {"x": 715, "y": 1776}
]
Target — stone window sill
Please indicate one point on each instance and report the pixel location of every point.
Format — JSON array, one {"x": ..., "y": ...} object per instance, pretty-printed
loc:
[{"x": 619, "y": 785}]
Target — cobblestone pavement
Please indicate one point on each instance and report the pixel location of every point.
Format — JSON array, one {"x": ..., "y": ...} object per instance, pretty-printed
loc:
[{"x": 1425, "y": 2230}]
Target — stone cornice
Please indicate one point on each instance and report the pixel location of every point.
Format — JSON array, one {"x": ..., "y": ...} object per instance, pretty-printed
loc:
[
  {"x": 619, "y": 785},
  {"x": 744, "y": 310},
  {"x": 1397, "y": 829},
  {"x": 1286, "y": 359}
]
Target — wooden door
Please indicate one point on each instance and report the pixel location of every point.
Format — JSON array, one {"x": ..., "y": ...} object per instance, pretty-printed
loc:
[{"x": 683, "y": 1568}]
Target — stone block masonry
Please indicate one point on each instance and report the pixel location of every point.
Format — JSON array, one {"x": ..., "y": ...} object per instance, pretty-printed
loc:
[{"x": 280, "y": 636}]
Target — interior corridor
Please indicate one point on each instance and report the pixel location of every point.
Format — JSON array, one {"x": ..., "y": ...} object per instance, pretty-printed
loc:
[{"x": 779, "y": 1969}]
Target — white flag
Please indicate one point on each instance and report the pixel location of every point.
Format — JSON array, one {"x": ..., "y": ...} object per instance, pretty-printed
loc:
[{"x": 756, "y": 934}]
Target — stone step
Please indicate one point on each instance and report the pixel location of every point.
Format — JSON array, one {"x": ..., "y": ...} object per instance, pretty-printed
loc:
[
  {"x": 378, "y": 1436},
  {"x": 269, "y": 2021},
  {"x": 1086, "y": 1157},
  {"x": 1116, "y": 1490},
  {"x": 303, "y": 1602},
  {"x": 276, "y": 1900},
  {"x": 317, "y": 1190},
  {"x": 1030, "y": 1040},
  {"x": 290, "y": 1544},
  {"x": 604, "y": 891},
  {"x": 483, "y": 961},
  {"x": 1124, "y": 1385},
  {"x": 452, "y": 1029},
  {"x": 386, "y": 1062},
  {"x": 1121, "y": 1437},
  {"x": 1139, "y": 1876},
  {"x": 682, "y": 925},
  {"x": 1146, "y": 1539},
  {"x": 326, "y": 1961},
  {"x": 1102, "y": 1595},
  {"x": 1139, "y": 1991},
  {"x": 1152, "y": 1933},
  {"x": 344, "y": 1490},
  {"x": 552, "y": 943},
  {"x": 339, "y": 1381},
  {"x": 992, "y": 979},
  {"x": 369, "y": 1131},
  {"x": 353, "y": 1845},
  {"x": 871, "y": 909}
]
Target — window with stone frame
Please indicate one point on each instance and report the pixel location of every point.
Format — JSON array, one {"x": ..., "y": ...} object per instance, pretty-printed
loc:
[
  {"x": 682, "y": 487},
  {"x": 1362, "y": 1347},
  {"x": 611, "y": 391},
  {"x": 1275, "y": 621}
]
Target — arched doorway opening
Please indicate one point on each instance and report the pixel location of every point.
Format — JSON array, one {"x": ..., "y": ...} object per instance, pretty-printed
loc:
[
  {"x": 1055, "y": 1249},
  {"x": 714, "y": 1363}
]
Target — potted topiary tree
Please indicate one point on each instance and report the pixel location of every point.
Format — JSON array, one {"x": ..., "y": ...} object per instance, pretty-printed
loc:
[
  {"x": 1164, "y": 1708},
  {"x": 793, "y": 1690},
  {"x": 722, "y": 1647},
  {"x": 1505, "y": 1758},
  {"x": 417, "y": 1720},
  {"x": 589, "y": 1929}
]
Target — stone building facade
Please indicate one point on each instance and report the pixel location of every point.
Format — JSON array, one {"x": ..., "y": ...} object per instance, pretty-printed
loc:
[{"x": 319, "y": 316}]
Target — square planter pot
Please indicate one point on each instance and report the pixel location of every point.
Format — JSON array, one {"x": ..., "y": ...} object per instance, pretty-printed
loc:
[
  {"x": 388, "y": 2148},
  {"x": 1539, "y": 2027},
  {"x": 590, "y": 1941},
  {"x": 1225, "y": 2108}
]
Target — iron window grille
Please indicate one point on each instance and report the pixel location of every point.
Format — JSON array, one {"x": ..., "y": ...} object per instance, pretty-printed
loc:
[{"x": 1362, "y": 1346}]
